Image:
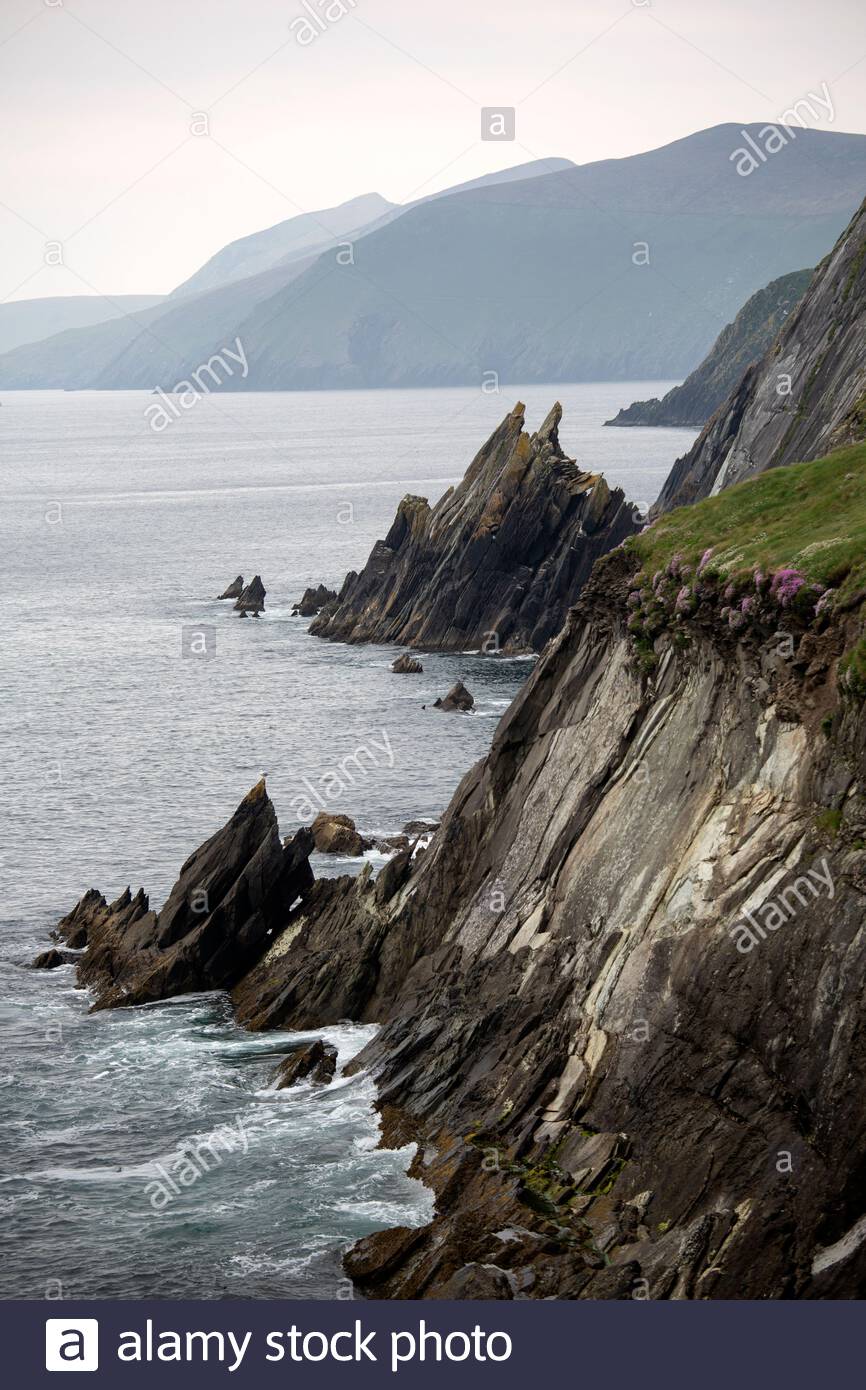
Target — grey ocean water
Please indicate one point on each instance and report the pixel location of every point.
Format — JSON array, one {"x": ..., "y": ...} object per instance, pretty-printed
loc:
[{"x": 120, "y": 755}]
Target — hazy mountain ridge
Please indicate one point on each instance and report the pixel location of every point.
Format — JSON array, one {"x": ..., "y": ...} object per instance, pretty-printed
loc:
[
  {"x": 620, "y": 269},
  {"x": 32, "y": 320}
]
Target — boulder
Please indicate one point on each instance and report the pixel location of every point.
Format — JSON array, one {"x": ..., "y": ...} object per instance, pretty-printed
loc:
[
  {"x": 312, "y": 600},
  {"x": 315, "y": 1062},
  {"x": 406, "y": 665},
  {"x": 333, "y": 834},
  {"x": 235, "y": 589},
  {"x": 49, "y": 960},
  {"x": 458, "y": 698},
  {"x": 252, "y": 598}
]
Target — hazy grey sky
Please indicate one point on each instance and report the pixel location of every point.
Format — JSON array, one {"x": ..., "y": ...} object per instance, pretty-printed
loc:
[{"x": 98, "y": 98}]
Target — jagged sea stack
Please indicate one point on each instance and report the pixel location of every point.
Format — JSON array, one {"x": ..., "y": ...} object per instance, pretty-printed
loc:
[
  {"x": 252, "y": 599},
  {"x": 499, "y": 560}
]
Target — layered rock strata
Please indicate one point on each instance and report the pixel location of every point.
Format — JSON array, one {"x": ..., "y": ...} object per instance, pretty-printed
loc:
[{"x": 498, "y": 561}]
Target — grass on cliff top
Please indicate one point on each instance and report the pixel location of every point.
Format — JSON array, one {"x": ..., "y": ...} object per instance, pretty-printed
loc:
[{"x": 807, "y": 516}]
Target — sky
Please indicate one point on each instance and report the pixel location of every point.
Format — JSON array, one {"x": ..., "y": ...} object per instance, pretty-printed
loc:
[{"x": 142, "y": 137}]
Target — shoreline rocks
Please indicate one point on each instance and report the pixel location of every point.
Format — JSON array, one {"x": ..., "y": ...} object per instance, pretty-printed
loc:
[
  {"x": 312, "y": 600},
  {"x": 315, "y": 1062}
]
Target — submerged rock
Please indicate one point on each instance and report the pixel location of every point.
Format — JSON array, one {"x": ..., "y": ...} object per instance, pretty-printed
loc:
[
  {"x": 252, "y": 598},
  {"x": 458, "y": 698},
  {"x": 406, "y": 665},
  {"x": 235, "y": 589},
  {"x": 499, "y": 560},
  {"x": 333, "y": 834},
  {"x": 312, "y": 600},
  {"x": 315, "y": 1062}
]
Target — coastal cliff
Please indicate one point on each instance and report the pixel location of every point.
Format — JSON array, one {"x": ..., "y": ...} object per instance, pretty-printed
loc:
[
  {"x": 621, "y": 991},
  {"x": 740, "y": 343},
  {"x": 499, "y": 560},
  {"x": 807, "y": 394}
]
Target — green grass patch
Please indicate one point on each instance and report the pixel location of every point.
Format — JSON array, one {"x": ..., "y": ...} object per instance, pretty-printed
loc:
[{"x": 807, "y": 516}]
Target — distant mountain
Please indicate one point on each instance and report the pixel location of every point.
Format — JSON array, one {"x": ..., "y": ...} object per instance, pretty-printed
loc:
[
  {"x": 28, "y": 320},
  {"x": 156, "y": 345},
  {"x": 738, "y": 345},
  {"x": 613, "y": 270},
  {"x": 806, "y": 396},
  {"x": 311, "y": 231}
]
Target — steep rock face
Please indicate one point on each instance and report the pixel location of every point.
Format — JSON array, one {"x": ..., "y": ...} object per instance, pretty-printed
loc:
[
  {"x": 232, "y": 892},
  {"x": 741, "y": 343},
  {"x": 608, "y": 1096},
  {"x": 496, "y": 563},
  {"x": 805, "y": 397}
]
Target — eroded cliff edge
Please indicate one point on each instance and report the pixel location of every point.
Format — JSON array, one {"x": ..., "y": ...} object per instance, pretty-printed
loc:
[{"x": 498, "y": 561}]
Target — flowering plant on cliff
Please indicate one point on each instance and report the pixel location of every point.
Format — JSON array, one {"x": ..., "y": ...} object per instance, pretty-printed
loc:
[
  {"x": 738, "y": 602},
  {"x": 786, "y": 585}
]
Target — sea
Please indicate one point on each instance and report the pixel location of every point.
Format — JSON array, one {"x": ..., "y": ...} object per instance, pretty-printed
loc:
[{"x": 137, "y": 711}]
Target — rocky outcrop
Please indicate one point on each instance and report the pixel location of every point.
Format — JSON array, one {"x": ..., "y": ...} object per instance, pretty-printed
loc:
[
  {"x": 236, "y": 889},
  {"x": 741, "y": 343},
  {"x": 312, "y": 600},
  {"x": 333, "y": 834},
  {"x": 497, "y": 563},
  {"x": 406, "y": 665},
  {"x": 458, "y": 698},
  {"x": 610, "y": 1098},
  {"x": 806, "y": 396},
  {"x": 235, "y": 589},
  {"x": 252, "y": 597},
  {"x": 315, "y": 1062}
]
